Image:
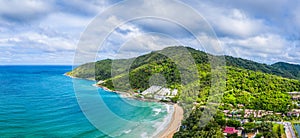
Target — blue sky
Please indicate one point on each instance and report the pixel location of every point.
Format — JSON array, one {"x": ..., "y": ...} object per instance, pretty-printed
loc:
[{"x": 47, "y": 32}]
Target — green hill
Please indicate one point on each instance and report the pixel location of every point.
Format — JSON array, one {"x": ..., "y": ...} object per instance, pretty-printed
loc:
[
  {"x": 255, "y": 85},
  {"x": 103, "y": 67},
  {"x": 288, "y": 69}
]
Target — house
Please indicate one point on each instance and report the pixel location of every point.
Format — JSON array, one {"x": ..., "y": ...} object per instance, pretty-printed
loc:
[
  {"x": 290, "y": 114},
  {"x": 226, "y": 111},
  {"x": 295, "y": 95},
  {"x": 240, "y": 105},
  {"x": 296, "y": 110},
  {"x": 229, "y": 130}
]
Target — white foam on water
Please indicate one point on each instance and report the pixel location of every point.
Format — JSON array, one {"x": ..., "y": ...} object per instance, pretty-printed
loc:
[
  {"x": 156, "y": 110},
  {"x": 162, "y": 125},
  {"x": 127, "y": 131}
]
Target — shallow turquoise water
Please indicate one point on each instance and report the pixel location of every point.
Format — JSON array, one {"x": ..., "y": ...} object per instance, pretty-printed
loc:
[{"x": 39, "y": 101}]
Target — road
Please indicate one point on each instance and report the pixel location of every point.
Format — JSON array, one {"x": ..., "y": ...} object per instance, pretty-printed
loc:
[{"x": 289, "y": 131}]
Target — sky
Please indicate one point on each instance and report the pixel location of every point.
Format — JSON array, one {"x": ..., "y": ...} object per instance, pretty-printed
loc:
[{"x": 52, "y": 31}]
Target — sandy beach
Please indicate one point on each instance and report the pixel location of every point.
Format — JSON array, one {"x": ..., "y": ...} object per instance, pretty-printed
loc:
[{"x": 175, "y": 123}]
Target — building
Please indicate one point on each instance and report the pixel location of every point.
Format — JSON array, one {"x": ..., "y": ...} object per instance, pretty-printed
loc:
[
  {"x": 295, "y": 95},
  {"x": 229, "y": 130},
  {"x": 159, "y": 92}
]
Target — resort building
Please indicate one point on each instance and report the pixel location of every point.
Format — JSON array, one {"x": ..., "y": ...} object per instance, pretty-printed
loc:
[{"x": 159, "y": 93}]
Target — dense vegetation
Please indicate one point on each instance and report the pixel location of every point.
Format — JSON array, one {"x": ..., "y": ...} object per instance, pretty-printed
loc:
[
  {"x": 288, "y": 69},
  {"x": 140, "y": 76},
  {"x": 191, "y": 127},
  {"x": 255, "y": 85},
  {"x": 257, "y": 90},
  {"x": 100, "y": 70},
  {"x": 280, "y": 69},
  {"x": 103, "y": 68},
  {"x": 246, "y": 81}
]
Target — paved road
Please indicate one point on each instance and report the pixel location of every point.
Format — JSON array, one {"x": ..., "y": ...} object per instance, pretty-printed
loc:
[{"x": 289, "y": 131}]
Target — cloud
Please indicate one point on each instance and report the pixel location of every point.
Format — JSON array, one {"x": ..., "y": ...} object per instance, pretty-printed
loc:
[
  {"x": 237, "y": 24},
  {"x": 280, "y": 17},
  {"x": 254, "y": 29},
  {"x": 19, "y": 11},
  {"x": 82, "y": 7},
  {"x": 269, "y": 43},
  {"x": 145, "y": 43},
  {"x": 249, "y": 29},
  {"x": 232, "y": 22},
  {"x": 48, "y": 28},
  {"x": 266, "y": 48}
]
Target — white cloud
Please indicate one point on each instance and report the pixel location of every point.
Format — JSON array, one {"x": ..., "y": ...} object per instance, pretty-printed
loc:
[
  {"x": 265, "y": 48},
  {"x": 249, "y": 29},
  {"x": 24, "y": 10},
  {"x": 145, "y": 43},
  {"x": 238, "y": 24},
  {"x": 44, "y": 27},
  {"x": 85, "y": 7},
  {"x": 65, "y": 21},
  {"x": 267, "y": 43},
  {"x": 231, "y": 22}
]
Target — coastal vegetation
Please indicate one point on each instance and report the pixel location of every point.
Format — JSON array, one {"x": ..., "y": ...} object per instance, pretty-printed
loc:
[
  {"x": 249, "y": 83},
  {"x": 191, "y": 127},
  {"x": 253, "y": 85},
  {"x": 102, "y": 68}
]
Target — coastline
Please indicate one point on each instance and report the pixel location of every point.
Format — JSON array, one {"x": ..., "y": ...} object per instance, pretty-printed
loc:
[
  {"x": 177, "y": 115},
  {"x": 66, "y": 74},
  {"x": 175, "y": 123},
  {"x": 122, "y": 94}
]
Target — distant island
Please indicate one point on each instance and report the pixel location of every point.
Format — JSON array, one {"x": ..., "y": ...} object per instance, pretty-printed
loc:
[{"x": 260, "y": 99}]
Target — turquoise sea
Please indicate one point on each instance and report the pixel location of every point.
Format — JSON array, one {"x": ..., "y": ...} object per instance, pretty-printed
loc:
[{"x": 39, "y": 101}]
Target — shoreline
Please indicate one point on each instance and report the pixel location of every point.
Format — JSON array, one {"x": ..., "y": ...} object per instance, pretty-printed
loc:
[
  {"x": 175, "y": 123},
  {"x": 122, "y": 94},
  {"x": 177, "y": 116}
]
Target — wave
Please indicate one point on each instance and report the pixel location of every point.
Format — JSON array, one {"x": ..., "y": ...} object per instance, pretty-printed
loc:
[
  {"x": 161, "y": 126},
  {"x": 156, "y": 111},
  {"x": 127, "y": 131}
]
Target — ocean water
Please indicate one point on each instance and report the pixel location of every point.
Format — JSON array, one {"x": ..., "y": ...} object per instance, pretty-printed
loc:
[{"x": 39, "y": 101}]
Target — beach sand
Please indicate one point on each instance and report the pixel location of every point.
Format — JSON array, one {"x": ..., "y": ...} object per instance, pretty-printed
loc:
[{"x": 175, "y": 123}]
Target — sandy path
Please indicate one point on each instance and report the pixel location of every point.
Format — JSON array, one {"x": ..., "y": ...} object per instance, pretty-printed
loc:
[{"x": 175, "y": 123}]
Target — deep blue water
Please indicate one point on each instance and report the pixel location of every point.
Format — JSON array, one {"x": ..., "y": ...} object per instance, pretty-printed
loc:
[{"x": 39, "y": 101}]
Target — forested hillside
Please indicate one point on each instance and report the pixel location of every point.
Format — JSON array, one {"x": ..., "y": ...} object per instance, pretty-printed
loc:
[
  {"x": 288, "y": 69},
  {"x": 103, "y": 67},
  {"x": 247, "y": 82},
  {"x": 252, "y": 84}
]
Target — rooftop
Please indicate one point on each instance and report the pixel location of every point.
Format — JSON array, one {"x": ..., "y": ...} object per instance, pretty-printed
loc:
[{"x": 230, "y": 130}]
